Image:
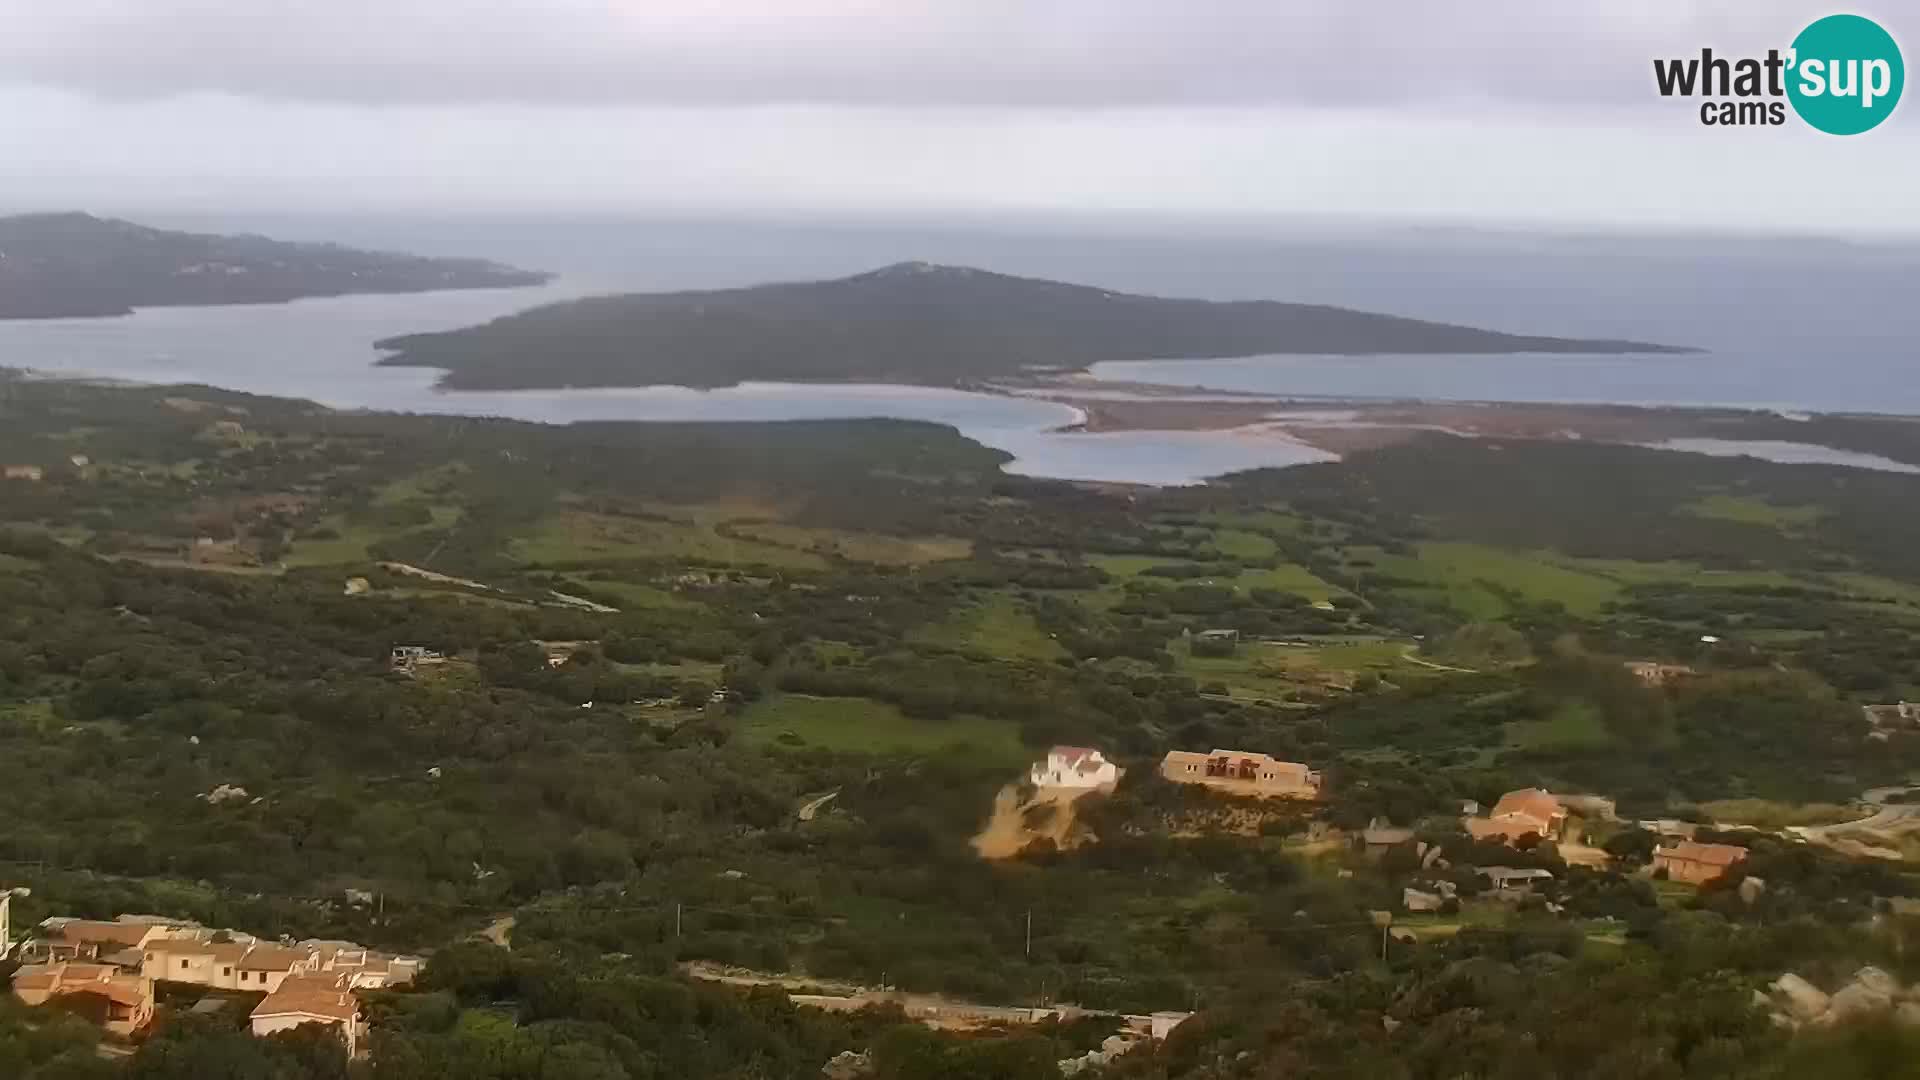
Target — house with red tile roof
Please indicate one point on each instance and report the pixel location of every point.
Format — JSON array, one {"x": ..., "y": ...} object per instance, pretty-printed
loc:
[
  {"x": 311, "y": 999},
  {"x": 1696, "y": 863},
  {"x": 91, "y": 940},
  {"x": 1528, "y": 811},
  {"x": 307, "y": 982},
  {"x": 118, "y": 1001}
]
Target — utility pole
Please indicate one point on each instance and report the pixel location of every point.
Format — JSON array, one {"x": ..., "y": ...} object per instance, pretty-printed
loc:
[
  {"x": 1029, "y": 953},
  {"x": 676, "y": 921}
]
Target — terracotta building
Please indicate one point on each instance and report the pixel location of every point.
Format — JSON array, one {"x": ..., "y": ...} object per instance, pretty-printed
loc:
[
  {"x": 1697, "y": 863},
  {"x": 1242, "y": 772},
  {"x": 117, "y": 1000},
  {"x": 1519, "y": 813},
  {"x": 311, "y": 999}
]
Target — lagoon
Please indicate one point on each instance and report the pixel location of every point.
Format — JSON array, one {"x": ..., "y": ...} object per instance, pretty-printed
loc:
[
  {"x": 1790, "y": 324},
  {"x": 322, "y": 350}
]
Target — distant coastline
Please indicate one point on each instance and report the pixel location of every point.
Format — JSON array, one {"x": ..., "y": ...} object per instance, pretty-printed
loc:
[
  {"x": 77, "y": 266},
  {"x": 537, "y": 278}
]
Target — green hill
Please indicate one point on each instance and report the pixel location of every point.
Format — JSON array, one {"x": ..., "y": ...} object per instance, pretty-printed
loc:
[
  {"x": 915, "y": 323},
  {"x": 62, "y": 265}
]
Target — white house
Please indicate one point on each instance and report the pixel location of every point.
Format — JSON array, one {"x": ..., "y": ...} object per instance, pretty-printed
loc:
[{"x": 1074, "y": 767}]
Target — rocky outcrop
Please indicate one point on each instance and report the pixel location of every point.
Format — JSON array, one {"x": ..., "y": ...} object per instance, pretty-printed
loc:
[
  {"x": 1794, "y": 1002},
  {"x": 847, "y": 1065},
  {"x": 1112, "y": 1047}
]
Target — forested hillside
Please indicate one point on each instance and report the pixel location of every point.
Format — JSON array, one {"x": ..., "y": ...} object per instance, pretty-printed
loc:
[
  {"x": 62, "y": 265},
  {"x": 654, "y": 645}
]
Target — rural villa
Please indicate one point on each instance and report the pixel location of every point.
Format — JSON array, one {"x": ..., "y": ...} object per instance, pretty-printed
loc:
[
  {"x": 1519, "y": 813},
  {"x": 1697, "y": 863},
  {"x": 1074, "y": 767},
  {"x": 1654, "y": 673},
  {"x": 1900, "y": 714},
  {"x": 107, "y": 971},
  {"x": 1241, "y": 772}
]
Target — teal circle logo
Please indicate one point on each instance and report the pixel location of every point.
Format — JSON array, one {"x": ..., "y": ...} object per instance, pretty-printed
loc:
[{"x": 1846, "y": 74}]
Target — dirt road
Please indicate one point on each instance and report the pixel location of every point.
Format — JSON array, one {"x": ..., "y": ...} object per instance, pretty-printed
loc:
[
  {"x": 1876, "y": 835},
  {"x": 812, "y": 806},
  {"x": 1007, "y": 832}
]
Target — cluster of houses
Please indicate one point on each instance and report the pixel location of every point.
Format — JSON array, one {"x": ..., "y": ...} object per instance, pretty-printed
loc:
[
  {"x": 1534, "y": 815},
  {"x": 1542, "y": 814},
  {"x": 107, "y": 970},
  {"x": 1519, "y": 819},
  {"x": 1235, "y": 772}
]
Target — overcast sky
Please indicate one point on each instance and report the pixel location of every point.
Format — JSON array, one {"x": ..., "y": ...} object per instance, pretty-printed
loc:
[{"x": 1514, "y": 111}]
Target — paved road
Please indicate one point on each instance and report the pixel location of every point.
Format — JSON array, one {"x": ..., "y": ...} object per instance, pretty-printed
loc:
[{"x": 1888, "y": 823}]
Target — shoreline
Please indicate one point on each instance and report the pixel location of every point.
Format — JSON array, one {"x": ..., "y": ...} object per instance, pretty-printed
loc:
[
  {"x": 1268, "y": 430},
  {"x": 1343, "y": 425}
]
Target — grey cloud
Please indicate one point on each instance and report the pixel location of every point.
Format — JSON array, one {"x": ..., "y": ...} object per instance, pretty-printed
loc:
[{"x": 1072, "y": 53}]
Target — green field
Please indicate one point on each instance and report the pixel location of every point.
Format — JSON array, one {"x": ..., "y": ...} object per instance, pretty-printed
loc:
[
  {"x": 1286, "y": 577},
  {"x": 1289, "y": 578},
  {"x": 1575, "y": 725},
  {"x": 633, "y": 595},
  {"x": 1238, "y": 544},
  {"x": 1126, "y": 566},
  {"x": 708, "y": 671},
  {"x": 13, "y": 564},
  {"x": 1877, "y": 587},
  {"x": 859, "y": 546},
  {"x": 579, "y": 537},
  {"x": 1629, "y": 572},
  {"x": 1271, "y": 671},
  {"x": 1279, "y": 522},
  {"x": 1751, "y": 511},
  {"x": 35, "y": 714},
  {"x": 1472, "y": 575},
  {"x": 425, "y": 484},
  {"x": 996, "y": 626},
  {"x": 861, "y": 726},
  {"x": 349, "y": 547},
  {"x": 1767, "y": 814}
]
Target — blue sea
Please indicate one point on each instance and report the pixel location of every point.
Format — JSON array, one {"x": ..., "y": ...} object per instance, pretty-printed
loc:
[{"x": 1789, "y": 324}]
